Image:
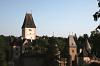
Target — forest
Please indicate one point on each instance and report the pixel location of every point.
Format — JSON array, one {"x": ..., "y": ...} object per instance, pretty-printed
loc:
[{"x": 51, "y": 43}]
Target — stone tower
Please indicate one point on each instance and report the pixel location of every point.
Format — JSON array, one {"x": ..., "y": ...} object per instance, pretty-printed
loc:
[
  {"x": 28, "y": 27},
  {"x": 72, "y": 50}
]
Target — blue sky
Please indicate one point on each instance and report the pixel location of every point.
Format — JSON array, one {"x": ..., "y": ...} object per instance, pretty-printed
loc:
[{"x": 59, "y": 16}]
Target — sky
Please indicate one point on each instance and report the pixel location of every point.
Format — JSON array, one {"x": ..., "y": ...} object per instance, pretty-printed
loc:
[{"x": 61, "y": 17}]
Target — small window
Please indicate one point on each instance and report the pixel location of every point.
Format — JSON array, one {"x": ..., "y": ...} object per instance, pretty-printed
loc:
[
  {"x": 72, "y": 44},
  {"x": 30, "y": 30},
  {"x": 16, "y": 48},
  {"x": 73, "y": 51},
  {"x": 17, "y": 53}
]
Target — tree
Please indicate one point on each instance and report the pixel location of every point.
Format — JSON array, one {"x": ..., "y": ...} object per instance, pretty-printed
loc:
[
  {"x": 97, "y": 14},
  {"x": 95, "y": 35},
  {"x": 95, "y": 41},
  {"x": 4, "y": 50}
]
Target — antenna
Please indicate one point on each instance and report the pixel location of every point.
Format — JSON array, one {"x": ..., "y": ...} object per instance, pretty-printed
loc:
[{"x": 53, "y": 34}]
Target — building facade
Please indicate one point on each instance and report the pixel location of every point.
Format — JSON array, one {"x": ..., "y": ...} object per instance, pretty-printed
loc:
[
  {"x": 29, "y": 27},
  {"x": 72, "y": 51}
]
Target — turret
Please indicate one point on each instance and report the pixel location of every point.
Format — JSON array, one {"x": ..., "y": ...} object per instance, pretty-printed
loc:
[
  {"x": 72, "y": 51},
  {"x": 29, "y": 27}
]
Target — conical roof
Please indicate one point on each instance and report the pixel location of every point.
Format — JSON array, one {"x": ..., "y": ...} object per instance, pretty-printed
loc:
[
  {"x": 28, "y": 21},
  {"x": 86, "y": 50},
  {"x": 88, "y": 47}
]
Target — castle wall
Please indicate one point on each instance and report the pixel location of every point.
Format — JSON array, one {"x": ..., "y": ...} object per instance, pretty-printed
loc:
[{"x": 33, "y": 61}]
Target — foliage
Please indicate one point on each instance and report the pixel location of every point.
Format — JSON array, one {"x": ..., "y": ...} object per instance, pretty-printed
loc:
[
  {"x": 53, "y": 44},
  {"x": 95, "y": 41},
  {"x": 94, "y": 64}
]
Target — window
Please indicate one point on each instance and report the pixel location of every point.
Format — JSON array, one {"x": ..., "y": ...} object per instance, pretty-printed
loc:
[
  {"x": 73, "y": 51},
  {"x": 16, "y": 48},
  {"x": 30, "y": 30},
  {"x": 72, "y": 44},
  {"x": 17, "y": 53}
]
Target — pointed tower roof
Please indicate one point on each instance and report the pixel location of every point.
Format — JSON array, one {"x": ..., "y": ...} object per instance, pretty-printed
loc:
[
  {"x": 28, "y": 21},
  {"x": 86, "y": 51},
  {"x": 71, "y": 41},
  {"x": 88, "y": 47}
]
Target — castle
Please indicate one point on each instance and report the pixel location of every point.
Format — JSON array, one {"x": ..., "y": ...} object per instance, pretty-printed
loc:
[{"x": 27, "y": 55}]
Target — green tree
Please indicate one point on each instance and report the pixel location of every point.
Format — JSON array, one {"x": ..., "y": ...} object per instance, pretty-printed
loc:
[{"x": 95, "y": 41}]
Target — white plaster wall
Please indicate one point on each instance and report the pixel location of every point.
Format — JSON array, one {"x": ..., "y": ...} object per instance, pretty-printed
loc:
[
  {"x": 29, "y": 34},
  {"x": 73, "y": 52}
]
